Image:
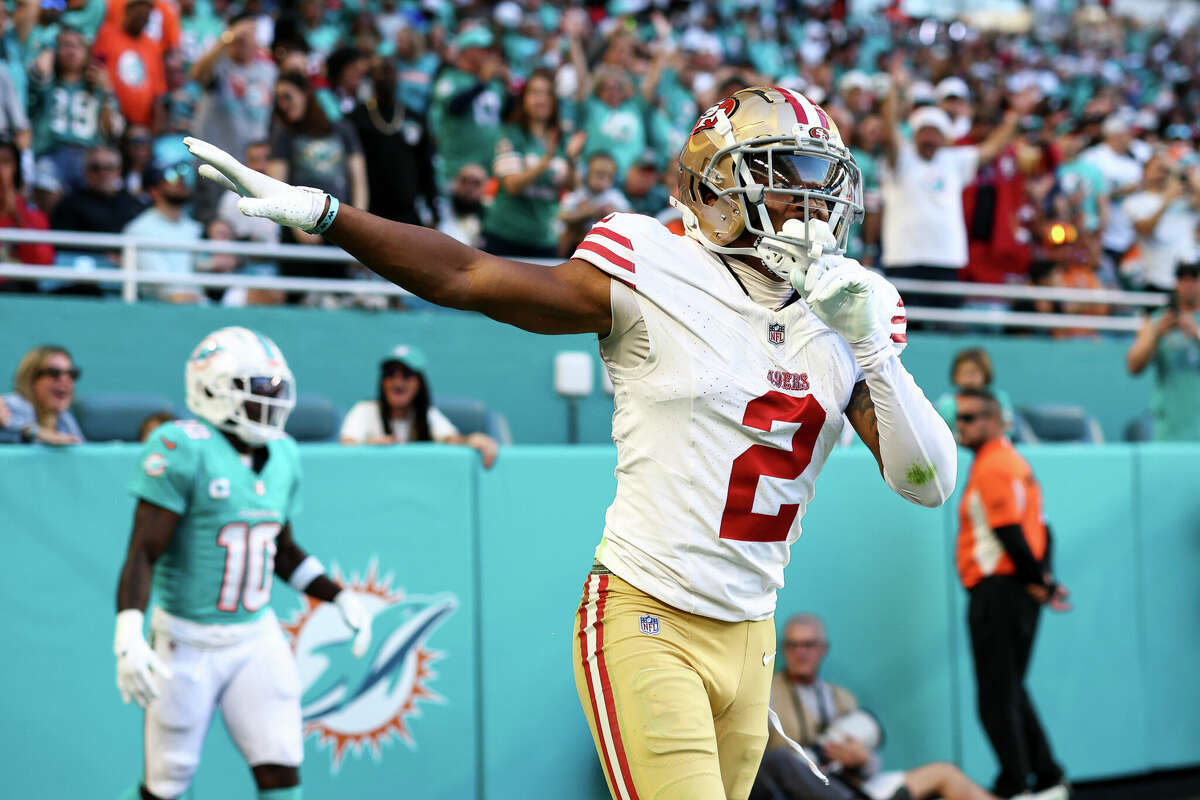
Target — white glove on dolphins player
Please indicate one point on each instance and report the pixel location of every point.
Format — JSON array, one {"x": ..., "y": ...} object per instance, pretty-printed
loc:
[{"x": 139, "y": 668}]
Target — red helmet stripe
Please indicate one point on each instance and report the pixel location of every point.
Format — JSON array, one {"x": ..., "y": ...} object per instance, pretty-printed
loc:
[{"x": 801, "y": 116}]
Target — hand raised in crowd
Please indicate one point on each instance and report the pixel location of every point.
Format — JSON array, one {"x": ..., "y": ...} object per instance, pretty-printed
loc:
[
  {"x": 575, "y": 145},
  {"x": 97, "y": 76},
  {"x": 243, "y": 26},
  {"x": 43, "y": 65}
]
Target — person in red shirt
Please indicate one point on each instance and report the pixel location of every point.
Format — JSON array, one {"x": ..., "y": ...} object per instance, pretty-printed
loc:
[
  {"x": 133, "y": 51},
  {"x": 1003, "y": 557},
  {"x": 15, "y": 213}
]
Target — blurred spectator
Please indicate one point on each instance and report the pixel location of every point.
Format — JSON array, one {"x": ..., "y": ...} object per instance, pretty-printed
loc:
[
  {"x": 38, "y": 23},
  {"x": 71, "y": 105},
  {"x": 219, "y": 230},
  {"x": 1123, "y": 176},
  {"x": 402, "y": 411},
  {"x": 39, "y": 408},
  {"x": 309, "y": 150},
  {"x": 416, "y": 66},
  {"x": 596, "y": 198},
  {"x": 1165, "y": 214},
  {"x": 613, "y": 117},
  {"x": 249, "y": 229},
  {"x": 238, "y": 80},
  {"x": 147, "y": 426},
  {"x": 954, "y": 98},
  {"x": 1004, "y": 558},
  {"x": 319, "y": 27},
  {"x": 644, "y": 188},
  {"x": 137, "y": 155},
  {"x": 16, "y": 213},
  {"x": 1170, "y": 340},
  {"x": 101, "y": 205},
  {"x": 462, "y": 213},
  {"x": 971, "y": 369},
  {"x": 924, "y": 233},
  {"x": 467, "y": 99},
  {"x": 346, "y": 70},
  {"x": 199, "y": 30},
  {"x": 14, "y": 122},
  {"x": 398, "y": 152},
  {"x": 46, "y": 188},
  {"x": 843, "y": 739},
  {"x": 533, "y": 164},
  {"x": 166, "y": 221},
  {"x": 134, "y": 56}
]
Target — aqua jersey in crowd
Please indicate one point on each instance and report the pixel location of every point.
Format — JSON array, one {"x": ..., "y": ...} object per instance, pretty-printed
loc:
[
  {"x": 66, "y": 113},
  {"x": 620, "y": 132},
  {"x": 1175, "y": 398},
  {"x": 87, "y": 20},
  {"x": 527, "y": 217},
  {"x": 219, "y": 566},
  {"x": 465, "y": 118}
]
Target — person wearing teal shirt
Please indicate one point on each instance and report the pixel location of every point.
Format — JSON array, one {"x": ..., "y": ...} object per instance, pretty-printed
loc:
[
  {"x": 216, "y": 499},
  {"x": 615, "y": 120},
  {"x": 467, "y": 98},
  {"x": 1170, "y": 340},
  {"x": 972, "y": 369},
  {"x": 532, "y": 166}
]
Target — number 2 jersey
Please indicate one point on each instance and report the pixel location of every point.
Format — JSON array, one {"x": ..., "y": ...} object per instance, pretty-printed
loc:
[
  {"x": 720, "y": 429},
  {"x": 220, "y": 564}
]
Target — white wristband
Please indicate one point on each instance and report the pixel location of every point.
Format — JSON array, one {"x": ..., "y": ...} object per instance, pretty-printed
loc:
[
  {"x": 304, "y": 573},
  {"x": 129, "y": 628}
]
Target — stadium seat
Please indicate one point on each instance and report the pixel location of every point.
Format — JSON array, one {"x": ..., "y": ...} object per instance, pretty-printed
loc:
[
  {"x": 117, "y": 417},
  {"x": 472, "y": 416},
  {"x": 314, "y": 419},
  {"x": 1021, "y": 432},
  {"x": 1054, "y": 423},
  {"x": 1139, "y": 429}
]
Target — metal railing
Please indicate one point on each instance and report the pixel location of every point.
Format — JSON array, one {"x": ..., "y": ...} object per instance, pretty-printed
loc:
[{"x": 129, "y": 278}]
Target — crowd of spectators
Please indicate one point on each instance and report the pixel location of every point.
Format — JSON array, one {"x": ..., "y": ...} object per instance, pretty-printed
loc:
[{"x": 1071, "y": 135}]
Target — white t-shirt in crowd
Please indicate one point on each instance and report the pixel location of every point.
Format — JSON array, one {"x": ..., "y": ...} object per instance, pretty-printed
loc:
[
  {"x": 363, "y": 422},
  {"x": 1119, "y": 170},
  {"x": 1172, "y": 240},
  {"x": 923, "y": 222}
]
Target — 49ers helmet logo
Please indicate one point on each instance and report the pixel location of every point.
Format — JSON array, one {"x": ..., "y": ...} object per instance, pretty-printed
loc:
[{"x": 709, "y": 118}]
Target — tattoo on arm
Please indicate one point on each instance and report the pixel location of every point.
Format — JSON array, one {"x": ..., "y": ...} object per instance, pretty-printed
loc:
[{"x": 861, "y": 413}]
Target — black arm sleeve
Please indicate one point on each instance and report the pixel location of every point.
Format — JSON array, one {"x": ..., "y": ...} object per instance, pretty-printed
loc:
[
  {"x": 460, "y": 103},
  {"x": 1028, "y": 568}
]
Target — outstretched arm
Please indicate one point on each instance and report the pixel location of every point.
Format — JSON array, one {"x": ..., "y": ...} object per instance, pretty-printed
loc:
[{"x": 572, "y": 297}]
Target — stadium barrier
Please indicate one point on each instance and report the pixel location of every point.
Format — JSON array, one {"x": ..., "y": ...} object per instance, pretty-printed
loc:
[
  {"x": 484, "y": 706},
  {"x": 129, "y": 278}
]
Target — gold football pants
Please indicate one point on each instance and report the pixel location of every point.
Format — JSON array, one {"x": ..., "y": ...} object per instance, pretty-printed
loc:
[{"x": 677, "y": 703}]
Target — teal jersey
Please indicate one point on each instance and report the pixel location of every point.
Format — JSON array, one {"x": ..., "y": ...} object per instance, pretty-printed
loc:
[
  {"x": 620, "y": 132},
  {"x": 1176, "y": 393},
  {"x": 220, "y": 564},
  {"x": 529, "y": 216},
  {"x": 66, "y": 114},
  {"x": 465, "y": 135}
]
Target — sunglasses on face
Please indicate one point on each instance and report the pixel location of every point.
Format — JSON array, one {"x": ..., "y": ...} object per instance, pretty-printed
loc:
[
  {"x": 56, "y": 373},
  {"x": 1188, "y": 272},
  {"x": 969, "y": 418},
  {"x": 393, "y": 370},
  {"x": 802, "y": 644}
]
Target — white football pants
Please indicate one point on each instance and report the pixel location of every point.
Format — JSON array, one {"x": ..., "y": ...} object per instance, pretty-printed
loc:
[{"x": 253, "y": 679}]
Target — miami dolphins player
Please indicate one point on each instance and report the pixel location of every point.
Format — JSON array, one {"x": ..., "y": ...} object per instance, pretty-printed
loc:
[{"x": 215, "y": 500}]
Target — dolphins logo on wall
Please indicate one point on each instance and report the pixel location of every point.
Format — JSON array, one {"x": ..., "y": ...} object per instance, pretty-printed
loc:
[{"x": 359, "y": 703}]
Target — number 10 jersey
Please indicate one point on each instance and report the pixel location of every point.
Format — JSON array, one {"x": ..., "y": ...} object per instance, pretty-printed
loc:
[
  {"x": 720, "y": 430},
  {"x": 220, "y": 563}
]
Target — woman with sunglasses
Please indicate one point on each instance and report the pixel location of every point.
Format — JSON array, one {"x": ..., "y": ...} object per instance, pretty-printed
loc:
[
  {"x": 38, "y": 410},
  {"x": 402, "y": 411}
]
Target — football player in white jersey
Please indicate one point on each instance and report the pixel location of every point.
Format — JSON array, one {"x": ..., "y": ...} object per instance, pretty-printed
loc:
[
  {"x": 734, "y": 352},
  {"x": 213, "y": 524}
]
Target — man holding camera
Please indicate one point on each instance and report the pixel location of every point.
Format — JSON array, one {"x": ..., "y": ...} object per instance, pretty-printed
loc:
[{"x": 1164, "y": 214}]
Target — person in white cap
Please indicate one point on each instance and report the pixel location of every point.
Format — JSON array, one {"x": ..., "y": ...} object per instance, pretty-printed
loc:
[
  {"x": 1123, "y": 176},
  {"x": 954, "y": 98},
  {"x": 922, "y": 180}
]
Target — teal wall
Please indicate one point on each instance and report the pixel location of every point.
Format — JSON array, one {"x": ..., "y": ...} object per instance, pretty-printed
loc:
[
  {"x": 1114, "y": 679},
  {"x": 142, "y": 348}
]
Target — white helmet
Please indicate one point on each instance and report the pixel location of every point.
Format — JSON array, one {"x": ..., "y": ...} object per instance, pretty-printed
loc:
[{"x": 238, "y": 380}]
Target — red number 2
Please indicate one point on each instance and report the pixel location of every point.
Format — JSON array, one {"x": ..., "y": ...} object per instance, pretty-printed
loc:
[{"x": 738, "y": 520}]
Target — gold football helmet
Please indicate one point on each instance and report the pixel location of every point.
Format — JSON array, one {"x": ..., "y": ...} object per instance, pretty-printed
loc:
[{"x": 765, "y": 141}]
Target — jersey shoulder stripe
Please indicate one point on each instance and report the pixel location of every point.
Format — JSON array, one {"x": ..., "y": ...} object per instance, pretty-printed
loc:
[{"x": 609, "y": 245}]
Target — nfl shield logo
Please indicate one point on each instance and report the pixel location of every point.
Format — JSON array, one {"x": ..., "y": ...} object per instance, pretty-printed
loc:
[
  {"x": 775, "y": 333},
  {"x": 649, "y": 625}
]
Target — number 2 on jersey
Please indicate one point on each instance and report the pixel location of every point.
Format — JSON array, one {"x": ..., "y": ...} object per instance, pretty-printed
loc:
[
  {"x": 249, "y": 559},
  {"x": 739, "y": 520}
]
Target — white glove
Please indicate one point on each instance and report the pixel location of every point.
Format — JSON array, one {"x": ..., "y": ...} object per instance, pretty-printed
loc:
[
  {"x": 138, "y": 667},
  {"x": 357, "y": 619},
  {"x": 790, "y": 262},
  {"x": 840, "y": 293},
  {"x": 262, "y": 196}
]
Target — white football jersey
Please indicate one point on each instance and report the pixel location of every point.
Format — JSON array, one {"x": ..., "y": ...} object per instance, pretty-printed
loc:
[{"x": 720, "y": 431}]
